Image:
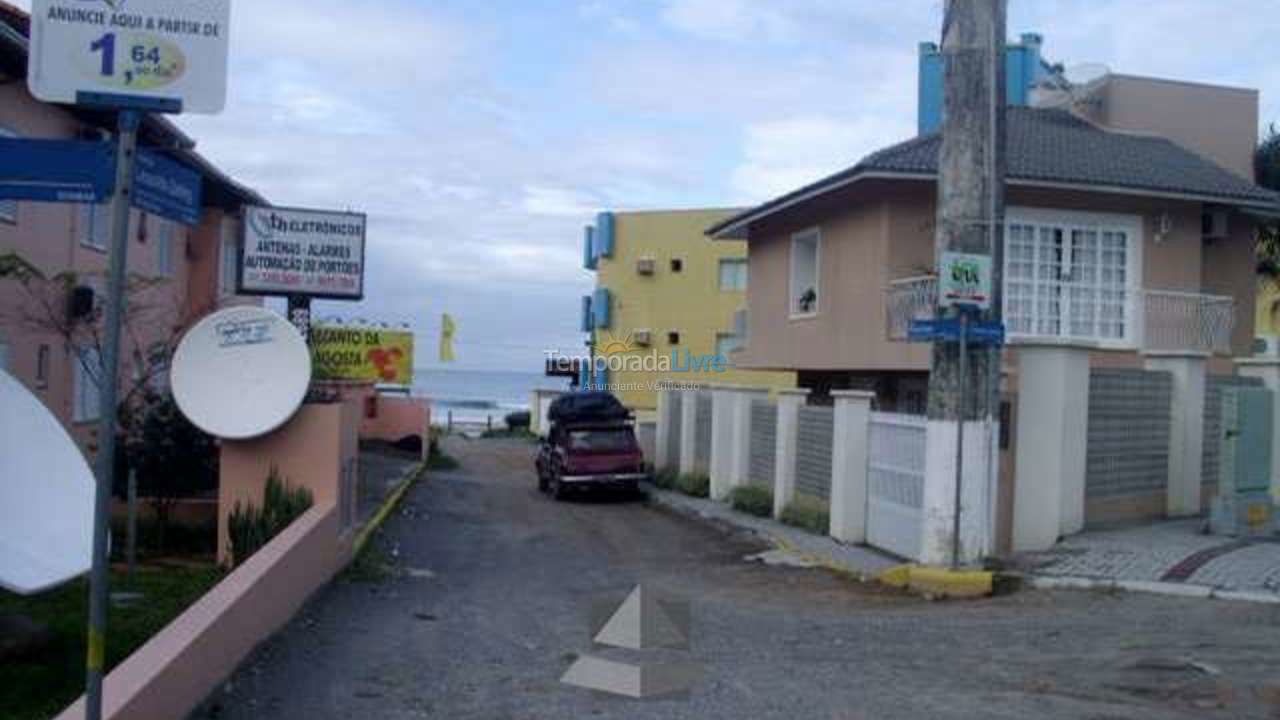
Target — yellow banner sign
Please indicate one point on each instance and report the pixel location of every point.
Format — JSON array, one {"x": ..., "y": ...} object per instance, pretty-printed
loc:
[{"x": 371, "y": 354}]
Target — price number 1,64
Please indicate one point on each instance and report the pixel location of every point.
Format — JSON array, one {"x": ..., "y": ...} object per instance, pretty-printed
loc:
[{"x": 136, "y": 60}]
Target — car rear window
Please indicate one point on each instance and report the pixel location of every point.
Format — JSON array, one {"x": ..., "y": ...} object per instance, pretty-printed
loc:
[{"x": 601, "y": 440}]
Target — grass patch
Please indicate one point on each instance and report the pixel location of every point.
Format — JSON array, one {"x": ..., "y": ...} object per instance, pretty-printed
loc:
[
  {"x": 694, "y": 485},
  {"x": 665, "y": 479},
  {"x": 41, "y": 687},
  {"x": 807, "y": 514},
  {"x": 373, "y": 565},
  {"x": 752, "y": 499}
]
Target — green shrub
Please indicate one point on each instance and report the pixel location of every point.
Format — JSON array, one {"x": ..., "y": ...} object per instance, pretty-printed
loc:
[
  {"x": 249, "y": 528},
  {"x": 665, "y": 479},
  {"x": 807, "y": 514},
  {"x": 694, "y": 484},
  {"x": 752, "y": 499}
]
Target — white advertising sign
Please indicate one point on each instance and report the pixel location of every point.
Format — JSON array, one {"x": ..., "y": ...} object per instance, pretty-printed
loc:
[
  {"x": 291, "y": 251},
  {"x": 161, "y": 50}
]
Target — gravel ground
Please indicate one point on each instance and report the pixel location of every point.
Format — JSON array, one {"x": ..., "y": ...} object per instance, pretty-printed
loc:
[{"x": 488, "y": 600}]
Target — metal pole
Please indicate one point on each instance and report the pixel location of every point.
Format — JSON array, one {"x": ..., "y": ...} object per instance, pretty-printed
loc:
[
  {"x": 99, "y": 581},
  {"x": 964, "y": 382},
  {"x": 131, "y": 549}
]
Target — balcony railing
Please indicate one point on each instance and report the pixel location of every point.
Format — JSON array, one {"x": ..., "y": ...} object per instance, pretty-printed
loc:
[
  {"x": 1153, "y": 320},
  {"x": 1181, "y": 321}
]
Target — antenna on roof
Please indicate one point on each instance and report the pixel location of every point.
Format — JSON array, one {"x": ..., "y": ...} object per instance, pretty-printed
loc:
[{"x": 1071, "y": 88}]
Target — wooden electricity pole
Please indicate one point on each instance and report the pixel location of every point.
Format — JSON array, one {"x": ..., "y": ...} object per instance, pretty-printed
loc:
[{"x": 971, "y": 169}]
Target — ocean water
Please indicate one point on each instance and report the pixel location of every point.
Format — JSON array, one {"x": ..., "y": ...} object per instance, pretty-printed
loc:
[{"x": 476, "y": 396}]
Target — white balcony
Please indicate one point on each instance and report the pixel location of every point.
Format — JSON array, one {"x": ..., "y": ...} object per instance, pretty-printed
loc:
[{"x": 1125, "y": 318}]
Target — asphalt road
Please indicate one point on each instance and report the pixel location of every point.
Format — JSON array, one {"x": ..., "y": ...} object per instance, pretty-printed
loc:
[{"x": 487, "y": 601}]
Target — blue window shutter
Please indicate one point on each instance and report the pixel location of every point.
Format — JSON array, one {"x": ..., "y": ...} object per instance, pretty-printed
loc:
[
  {"x": 605, "y": 234},
  {"x": 584, "y": 376},
  {"x": 602, "y": 379},
  {"x": 587, "y": 323},
  {"x": 588, "y": 248},
  {"x": 601, "y": 306}
]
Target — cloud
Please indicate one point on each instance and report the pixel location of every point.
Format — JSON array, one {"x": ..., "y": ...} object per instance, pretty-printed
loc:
[{"x": 783, "y": 155}]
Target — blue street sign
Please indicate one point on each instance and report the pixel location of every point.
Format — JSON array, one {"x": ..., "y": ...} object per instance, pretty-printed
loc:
[
  {"x": 167, "y": 188},
  {"x": 948, "y": 330},
  {"x": 77, "y": 171}
]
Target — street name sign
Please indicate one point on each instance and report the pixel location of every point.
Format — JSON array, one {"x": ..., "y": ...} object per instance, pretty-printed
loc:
[
  {"x": 302, "y": 253},
  {"x": 948, "y": 330},
  {"x": 965, "y": 279},
  {"x": 92, "y": 51},
  {"x": 68, "y": 171},
  {"x": 167, "y": 188}
]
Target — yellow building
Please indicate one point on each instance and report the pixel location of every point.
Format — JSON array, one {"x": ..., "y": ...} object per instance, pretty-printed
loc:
[
  {"x": 1266, "y": 324},
  {"x": 666, "y": 303}
]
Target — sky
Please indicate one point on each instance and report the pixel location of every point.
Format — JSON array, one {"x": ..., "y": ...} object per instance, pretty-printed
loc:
[{"x": 480, "y": 137}]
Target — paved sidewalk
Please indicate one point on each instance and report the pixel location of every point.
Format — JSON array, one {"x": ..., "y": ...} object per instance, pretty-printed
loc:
[
  {"x": 1175, "y": 553},
  {"x": 822, "y": 550}
]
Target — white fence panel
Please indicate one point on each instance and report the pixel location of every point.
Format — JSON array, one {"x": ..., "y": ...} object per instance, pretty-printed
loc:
[{"x": 895, "y": 483}]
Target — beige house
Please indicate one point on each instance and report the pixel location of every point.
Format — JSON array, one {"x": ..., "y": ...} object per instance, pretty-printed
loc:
[
  {"x": 1128, "y": 269},
  {"x": 1108, "y": 233}
]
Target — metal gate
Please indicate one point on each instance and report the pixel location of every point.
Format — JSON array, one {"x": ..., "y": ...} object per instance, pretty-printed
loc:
[{"x": 895, "y": 483}]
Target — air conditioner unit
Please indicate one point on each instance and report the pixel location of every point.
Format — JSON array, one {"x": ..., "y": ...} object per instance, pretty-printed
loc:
[
  {"x": 1266, "y": 346},
  {"x": 643, "y": 338},
  {"x": 1213, "y": 224},
  {"x": 646, "y": 266}
]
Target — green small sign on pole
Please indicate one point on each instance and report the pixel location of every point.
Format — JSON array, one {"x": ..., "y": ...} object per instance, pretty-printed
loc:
[{"x": 965, "y": 279}]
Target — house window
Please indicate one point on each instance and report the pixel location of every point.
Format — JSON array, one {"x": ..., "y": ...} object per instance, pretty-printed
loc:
[
  {"x": 1070, "y": 277},
  {"x": 164, "y": 236},
  {"x": 727, "y": 343},
  {"x": 806, "y": 253},
  {"x": 228, "y": 259},
  {"x": 733, "y": 275},
  {"x": 42, "y": 366},
  {"x": 84, "y": 386},
  {"x": 4, "y": 355},
  {"x": 95, "y": 225},
  {"x": 8, "y": 208}
]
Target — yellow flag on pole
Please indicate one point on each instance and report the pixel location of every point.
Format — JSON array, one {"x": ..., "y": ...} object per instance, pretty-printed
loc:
[{"x": 447, "y": 328}]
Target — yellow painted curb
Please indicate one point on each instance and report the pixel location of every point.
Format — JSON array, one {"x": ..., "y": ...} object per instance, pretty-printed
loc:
[
  {"x": 388, "y": 506},
  {"x": 940, "y": 581}
]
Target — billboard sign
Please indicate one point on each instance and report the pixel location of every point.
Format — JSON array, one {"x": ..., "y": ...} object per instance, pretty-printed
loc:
[
  {"x": 166, "y": 188},
  {"x": 361, "y": 353},
  {"x": 159, "y": 50},
  {"x": 302, "y": 253}
]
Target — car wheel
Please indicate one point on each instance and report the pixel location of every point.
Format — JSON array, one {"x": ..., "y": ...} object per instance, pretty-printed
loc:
[{"x": 558, "y": 489}]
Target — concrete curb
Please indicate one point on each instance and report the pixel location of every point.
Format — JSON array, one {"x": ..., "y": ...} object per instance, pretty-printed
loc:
[
  {"x": 388, "y": 506},
  {"x": 1172, "y": 589},
  {"x": 941, "y": 582}
]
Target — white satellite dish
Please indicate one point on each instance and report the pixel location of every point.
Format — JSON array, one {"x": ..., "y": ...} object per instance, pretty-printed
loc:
[
  {"x": 46, "y": 496},
  {"x": 241, "y": 373}
]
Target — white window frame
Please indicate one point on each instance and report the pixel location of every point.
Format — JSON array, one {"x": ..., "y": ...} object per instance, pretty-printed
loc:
[
  {"x": 227, "y": 277},
  {"x": 1068, "y": 220},
  {"x": 727, "y": 353},
  {"x": 742, "y": 272},
  {"x": 793, "y": 299},
  {"x": 95, "y": 225},
  {"x": 165, "y": 232},
  {"x": 8, "y": 208},
  {"x": 86, "y": 393}
]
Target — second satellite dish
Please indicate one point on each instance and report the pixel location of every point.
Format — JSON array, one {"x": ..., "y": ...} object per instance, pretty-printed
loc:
[
  {"x": 241, "y": 373},
  {"x": 46, "y": 496}
]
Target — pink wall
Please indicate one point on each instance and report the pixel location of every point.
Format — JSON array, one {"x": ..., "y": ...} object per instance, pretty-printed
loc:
[
  {"x": 390, "y": 417},
  {"x": 169, "y": 675},
  {"x": 317, "y": 449}
]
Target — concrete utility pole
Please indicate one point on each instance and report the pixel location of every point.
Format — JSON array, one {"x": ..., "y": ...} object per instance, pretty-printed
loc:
[{"x": 971, "y": 170}]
